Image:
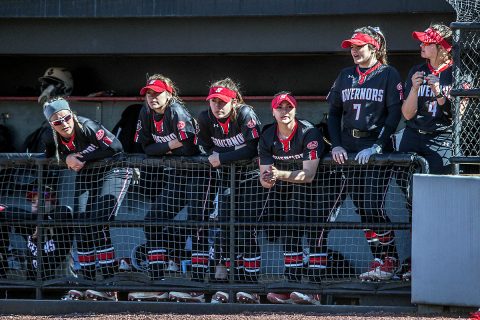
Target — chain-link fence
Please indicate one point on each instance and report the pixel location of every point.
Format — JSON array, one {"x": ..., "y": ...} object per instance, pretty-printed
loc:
[
  {"x": 163, "y": 224},
  {"x": 466, "y": 82}
]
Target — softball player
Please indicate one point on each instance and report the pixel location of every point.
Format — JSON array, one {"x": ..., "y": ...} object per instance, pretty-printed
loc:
[
  {"x": 229, "y": 131},
  {"x": 165, "y": 128},
  {"x": 367, "y": 97},
  {"x": 427, "y": 108},
  {"x": 78, "y": 141},
  {"x": 56, "y": 241},
  {"x": 291, "y": 192}
]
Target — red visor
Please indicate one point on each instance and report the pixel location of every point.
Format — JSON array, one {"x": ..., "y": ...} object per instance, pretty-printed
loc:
[
  {"x": 157, "y": 86},
  {"x": 221, "y": 93},
  {"x": 431, "y": 36},
  {"x": 283, "y": 97},
  {"x": 360, "y": 39}
]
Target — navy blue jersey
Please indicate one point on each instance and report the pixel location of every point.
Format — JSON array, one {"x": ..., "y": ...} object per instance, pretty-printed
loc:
[
  {"x": 305, "y": 143},
  {"x": 154, "y": 130},
  {"x": 90, "y": 139},
  {"x": 366, "y": 105},
  {"x": 226, "y": 135},
  {"x": 430, "y": 115}
]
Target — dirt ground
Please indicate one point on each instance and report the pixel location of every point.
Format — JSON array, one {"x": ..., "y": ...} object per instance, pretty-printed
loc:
[{"x": 262, "y": 316}]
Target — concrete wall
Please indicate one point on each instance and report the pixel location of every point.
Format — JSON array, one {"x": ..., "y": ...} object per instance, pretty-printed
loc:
[{"x": 446, "y": 240}]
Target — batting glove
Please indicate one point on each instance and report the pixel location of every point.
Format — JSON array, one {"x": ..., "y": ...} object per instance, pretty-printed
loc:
[{"x": 363, "y": 156}]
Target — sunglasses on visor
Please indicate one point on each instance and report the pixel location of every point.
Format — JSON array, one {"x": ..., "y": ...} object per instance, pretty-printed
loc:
[{"x": 59, "y": 121}]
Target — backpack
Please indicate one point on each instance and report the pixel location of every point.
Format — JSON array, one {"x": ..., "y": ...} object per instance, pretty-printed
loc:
[
  {"x": 126, "y": 127},
  {"x": 35, "y": 141}
]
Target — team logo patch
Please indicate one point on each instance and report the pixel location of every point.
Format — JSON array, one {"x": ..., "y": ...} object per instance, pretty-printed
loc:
[
  {"x": 399, "y": 86},
  {"x": 181, "y": 125},
  {"x": 312, "y": 145},
  {"x": 100, "y": 134},
  {"x": 251, "y": 124}
]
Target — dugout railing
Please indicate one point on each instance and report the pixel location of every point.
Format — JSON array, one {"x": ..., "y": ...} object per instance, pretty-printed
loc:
[{"x": 171, "y": 203}]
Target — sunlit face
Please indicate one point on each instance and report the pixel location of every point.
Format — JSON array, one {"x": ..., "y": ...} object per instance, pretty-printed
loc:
[
  {"x": 284, "y": 113},
  {"x": 220, "y": 108},
  {"x": 428, "y": 50},
  {"x": 362, "y": 55},
  {"x": 62, "y": 122},
  {"x": 157, "y": 101}
]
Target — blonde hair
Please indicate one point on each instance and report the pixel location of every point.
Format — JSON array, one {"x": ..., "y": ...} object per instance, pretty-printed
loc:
[{"x": 446, "y": 34}]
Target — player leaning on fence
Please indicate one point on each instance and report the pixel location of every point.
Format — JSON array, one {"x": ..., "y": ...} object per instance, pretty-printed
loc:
[
  {"x": 291, "y": 194},
  {"x": 368, "y": 98},
  {"x": 165, "y": 127},
  {"x": 78, "y": 141},
  {"x": 229, "y": 131}
]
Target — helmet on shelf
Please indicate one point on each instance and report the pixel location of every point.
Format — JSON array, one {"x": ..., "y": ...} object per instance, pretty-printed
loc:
[{"x": 56, "y": 81}]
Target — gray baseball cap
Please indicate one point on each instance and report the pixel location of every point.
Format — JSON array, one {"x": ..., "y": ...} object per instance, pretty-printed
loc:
[{"x": 53, "y": 106}]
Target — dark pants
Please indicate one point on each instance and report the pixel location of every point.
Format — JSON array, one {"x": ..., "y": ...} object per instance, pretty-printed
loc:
[
  {"x": 306, "y": 205},
  {"x": 211, "y": 202},
  {"x": 166, "y": 242},
  {"x": 290, "y": 203},
  {"x": 368, "y": 188},
  {"x": 435, "y": 148},
  {"x": 98, "y": 201}
]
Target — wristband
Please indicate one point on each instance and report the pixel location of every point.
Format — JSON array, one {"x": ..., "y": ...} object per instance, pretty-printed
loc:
[{"x": 440, "y": 95}]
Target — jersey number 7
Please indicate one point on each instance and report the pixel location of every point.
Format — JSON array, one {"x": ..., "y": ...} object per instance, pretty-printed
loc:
[{"x": 357, "y": 106}]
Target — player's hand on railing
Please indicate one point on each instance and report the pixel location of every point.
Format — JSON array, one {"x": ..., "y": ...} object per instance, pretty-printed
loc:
[
  {"x": 214, "y": 159},
  {"x": 268, "y": 177},
  {"x": 363, "y": 156},
  {"x": 74, "y": 163},
  {"x": 339, "y": 155}
]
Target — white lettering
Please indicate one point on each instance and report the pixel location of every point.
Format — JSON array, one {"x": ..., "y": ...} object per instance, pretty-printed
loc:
[
  {"x": 229, "y": 142},
  {"x": 160, "y": 139},
  {"x": 370, "y": 94}
]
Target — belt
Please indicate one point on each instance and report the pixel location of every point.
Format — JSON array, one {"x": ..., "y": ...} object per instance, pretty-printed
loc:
[
  {"x": 362, "y": 134},
  {"x": 424, "y": 132}
]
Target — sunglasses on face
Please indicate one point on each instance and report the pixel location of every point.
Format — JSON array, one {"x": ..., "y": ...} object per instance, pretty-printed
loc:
[{"x": 59, "y": 121}]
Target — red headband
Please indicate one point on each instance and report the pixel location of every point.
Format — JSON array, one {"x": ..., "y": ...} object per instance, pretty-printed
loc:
[
  {"x": 221, "y": 93},
  {"x": 360, "y": 39},
  {"x": 157, "y": 86},
  {"x": 283, "y": 97},
  {"x": 432, "y": 36}
]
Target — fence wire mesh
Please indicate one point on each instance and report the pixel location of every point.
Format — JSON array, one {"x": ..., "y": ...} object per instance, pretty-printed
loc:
[
  {"x": 466, "y": 82},
  {"x": 467, "y": 10},
  {"x": 146, "y": 224}
]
